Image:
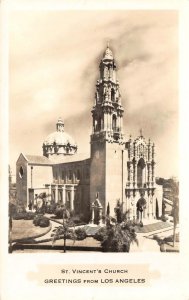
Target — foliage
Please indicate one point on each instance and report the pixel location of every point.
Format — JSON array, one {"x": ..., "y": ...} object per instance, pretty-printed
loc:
[
  {"x": 44, "y": 222},
  {"x": 60, "y": 210},
  {"x": 64, "y": 231},
  {"x": 118, "y": 212},
  {"x": 24, "y": 216},
  {"x": 108, "y": 209},
  {"x": 50, "y": 209},
  {"x": 100, "y": 234},
  {"x": 29, "y": 216},
  {"x": 12, "y": 209},
  {"x": 118, "y": 238},
  {"x": 41, "y": 221},
  {"x": 80, "y": 234},
  {"x": 37, "y": 219}
]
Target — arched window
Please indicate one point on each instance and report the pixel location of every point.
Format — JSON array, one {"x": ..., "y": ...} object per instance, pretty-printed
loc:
[
  {"x": 21, "y": 172},
  {"x": 140, "y": 173},
  {"x": 70, "y": 175},
  {"x": 112, "y": 95},
  {"x": 114, "y": 123}
]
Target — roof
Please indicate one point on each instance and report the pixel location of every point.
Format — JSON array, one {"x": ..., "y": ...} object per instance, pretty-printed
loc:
[
  {"x": 38, "y": 159},
  {"x": 72, "y": 158}
]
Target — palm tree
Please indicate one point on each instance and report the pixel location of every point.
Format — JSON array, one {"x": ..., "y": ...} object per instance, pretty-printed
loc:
[
  {"x": 118, "y": 238},
  {"x": 64, "y": 231}
]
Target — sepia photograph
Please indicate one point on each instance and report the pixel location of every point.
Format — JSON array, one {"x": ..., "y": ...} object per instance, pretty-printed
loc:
[
  {"x": 93, "y": 131},
  {"x": 94, "y": 149}
]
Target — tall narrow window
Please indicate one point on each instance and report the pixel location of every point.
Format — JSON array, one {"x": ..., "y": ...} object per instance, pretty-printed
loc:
[
  {"x": 114, "y": 123},
  {"x": 140, "y": 172},
  {"x": 112, "y": 95},
  {"x": 21, "y": 172}
]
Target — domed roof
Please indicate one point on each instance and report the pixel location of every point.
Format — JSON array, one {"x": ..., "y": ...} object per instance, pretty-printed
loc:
[{"x": 60, "y": 138}]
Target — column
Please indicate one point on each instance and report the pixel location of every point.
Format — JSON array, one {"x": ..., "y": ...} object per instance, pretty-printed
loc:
[
  {"x": 105, "y": 125},
  {"x": 64, "y": 195},
  {"x": 148, "y": 205},
  {"x": 134, "y": 210},
  {"x": 56, "y": 193},
  {"x": 92, "y": 218},
  {"x": 121, "y": 123},
  {"x": 72, "y": 198},
  {"x": 135, "y": 174},
  {"x": 100, "y": 215},
  {"x": 111, "y": 122}
]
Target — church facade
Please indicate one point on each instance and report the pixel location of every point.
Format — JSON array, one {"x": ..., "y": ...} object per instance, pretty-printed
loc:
[{"x": 117, "y": 171}]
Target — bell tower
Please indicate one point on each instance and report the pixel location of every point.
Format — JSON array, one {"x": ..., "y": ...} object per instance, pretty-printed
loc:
[
  {"x": 107, "y": 112},
  {"x": 107, "y": 139}
]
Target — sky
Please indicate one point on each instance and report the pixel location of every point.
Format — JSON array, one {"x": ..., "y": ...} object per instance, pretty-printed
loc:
[{"x": 54, "y": 61}]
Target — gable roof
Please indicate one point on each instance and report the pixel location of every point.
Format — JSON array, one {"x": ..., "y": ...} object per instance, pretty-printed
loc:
[{"x": 38, "y": 160}]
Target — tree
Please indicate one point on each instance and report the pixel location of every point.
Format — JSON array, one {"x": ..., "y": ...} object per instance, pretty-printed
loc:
[
  {"x": 108, "y": 209},
  {"x": 175, "y": 217},
  {"x": 64, "y": 231},
  {"x": 174, "y": 185},
  {"x": 118, "y": 238}
]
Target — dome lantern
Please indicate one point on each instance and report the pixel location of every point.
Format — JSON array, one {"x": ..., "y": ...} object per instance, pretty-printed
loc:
[
  {"x": 59, "y": 143},
  {"x": 60, "y": 125}
]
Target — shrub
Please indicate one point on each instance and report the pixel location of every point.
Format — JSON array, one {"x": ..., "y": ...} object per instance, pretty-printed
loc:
[
  {"x": 20, "y": 209},
  {"x": 156, "y": 237},
  {"x": 100, "y": 234},
  {"x": 29, "y": 216},
  {"x": 44, "y": 222},
  {"x": 12, "y": 209},
  {"x": 163, "y": 247},
  {"x": 60, "y": 210},
  {"x": 118, "y": 239},
  {"x": 63, "y": 233},
  {"x": 24, "y": 216},
  {"x": 37, "y": 219},
  {"x": 164, "y": 218},
  {"x": 80, "y": 234},
  {"x": 52, "y": 208}
]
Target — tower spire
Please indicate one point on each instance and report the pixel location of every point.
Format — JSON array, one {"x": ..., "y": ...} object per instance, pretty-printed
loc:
[{"x": 108, "y": 111}]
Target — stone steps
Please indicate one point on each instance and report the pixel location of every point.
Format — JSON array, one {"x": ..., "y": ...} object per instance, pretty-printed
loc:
[{"x": 153, "y": 227}]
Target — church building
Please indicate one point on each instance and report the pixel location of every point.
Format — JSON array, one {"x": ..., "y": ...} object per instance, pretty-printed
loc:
[{"x": 118, "y": 171}]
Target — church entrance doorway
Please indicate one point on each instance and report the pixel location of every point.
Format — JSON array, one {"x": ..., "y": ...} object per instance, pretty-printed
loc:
[{"x": 141, "y": 206}]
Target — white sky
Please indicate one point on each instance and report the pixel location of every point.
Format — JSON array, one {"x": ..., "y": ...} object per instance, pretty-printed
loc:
[{"x": 54, "y": 58}]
